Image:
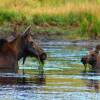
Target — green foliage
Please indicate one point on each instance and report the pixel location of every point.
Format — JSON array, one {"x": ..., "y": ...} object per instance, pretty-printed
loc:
[
  {"x": 40, "y": 19},
  {"x": 73, "y": 18},
  {"x": 87, "y": 24},
  {"x": 7, "y": 16},
  {"x": 81, "y": 22}
]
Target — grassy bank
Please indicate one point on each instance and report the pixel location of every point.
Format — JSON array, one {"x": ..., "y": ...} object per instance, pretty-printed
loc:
[{"x": 77, "y": 19}]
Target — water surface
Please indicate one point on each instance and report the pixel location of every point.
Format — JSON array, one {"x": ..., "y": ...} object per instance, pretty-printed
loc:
[{"x": 64, "y": 76}]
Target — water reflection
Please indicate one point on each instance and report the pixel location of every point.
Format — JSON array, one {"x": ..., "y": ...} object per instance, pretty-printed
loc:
[
  {"x": 62, "y": 78},
  {"x": 93, "y": 82},
  {"x": 15, "y": 79}
]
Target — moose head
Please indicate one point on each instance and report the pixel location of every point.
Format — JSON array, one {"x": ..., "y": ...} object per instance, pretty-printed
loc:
[
  {"x": 92, "y": 58},
  {"x": 27, "y": 47}
]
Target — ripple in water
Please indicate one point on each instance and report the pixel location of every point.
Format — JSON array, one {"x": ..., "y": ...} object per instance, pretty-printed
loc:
[{"x": 63, "y": 79}]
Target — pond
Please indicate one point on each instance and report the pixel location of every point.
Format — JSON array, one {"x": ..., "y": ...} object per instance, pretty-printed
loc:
[{"x": 64, "y": 76}]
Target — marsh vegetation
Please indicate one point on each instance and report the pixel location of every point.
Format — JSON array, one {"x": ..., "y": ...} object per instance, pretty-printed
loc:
[{"x": 77, "y": 19}]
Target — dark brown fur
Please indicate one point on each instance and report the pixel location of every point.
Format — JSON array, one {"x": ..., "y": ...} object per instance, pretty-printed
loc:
[
  {"x": 16, "y": 47},
  {"x": 93, "y": 58}
]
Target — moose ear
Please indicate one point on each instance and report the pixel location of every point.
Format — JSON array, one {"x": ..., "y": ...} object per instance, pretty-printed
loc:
[{"x": 27, "y": 31}]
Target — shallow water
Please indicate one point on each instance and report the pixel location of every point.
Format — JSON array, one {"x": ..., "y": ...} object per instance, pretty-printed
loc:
[{"x": 64, "y": 76}]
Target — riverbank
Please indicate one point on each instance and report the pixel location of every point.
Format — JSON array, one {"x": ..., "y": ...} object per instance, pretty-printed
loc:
[
  {"x": 73, "y": 26},
  {"x": 46, "y": 32},
  {"x": 75, "y": 19}
]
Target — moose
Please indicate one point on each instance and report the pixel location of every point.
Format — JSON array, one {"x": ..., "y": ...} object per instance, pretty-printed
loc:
[
  {"x": 93, "y": 59},
  {"x": 16, "y": 47}
]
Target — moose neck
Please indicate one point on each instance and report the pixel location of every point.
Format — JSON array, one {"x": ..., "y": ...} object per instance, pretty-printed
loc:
[
  {"x": 20, "y": 49},
  {"x": 17, "y": 46}
]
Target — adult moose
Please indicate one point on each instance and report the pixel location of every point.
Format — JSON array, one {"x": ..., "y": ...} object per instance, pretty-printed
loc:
[
  {"x": 16, "y": 47},
  {"x": 93, "y": 59}
]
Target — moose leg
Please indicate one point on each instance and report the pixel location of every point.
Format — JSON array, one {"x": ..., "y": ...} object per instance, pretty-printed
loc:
[
  {"x": 41, "y": 70},
  {"x": 41, "y": 75},
  {"x": 85, "y": 65}
]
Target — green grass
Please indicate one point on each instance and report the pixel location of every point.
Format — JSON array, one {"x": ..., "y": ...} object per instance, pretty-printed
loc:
[
  {"x": 82, "y": 24},
  {"x": 71, "y": 17}
]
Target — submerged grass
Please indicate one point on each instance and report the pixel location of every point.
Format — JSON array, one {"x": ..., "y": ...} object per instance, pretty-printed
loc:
[{"x": 78, "y": 17}]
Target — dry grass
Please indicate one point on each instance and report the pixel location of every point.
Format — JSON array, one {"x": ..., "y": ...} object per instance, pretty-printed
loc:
[
  {"x": 29, "y": 7},
  {"x": 82, "y": 15}
]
